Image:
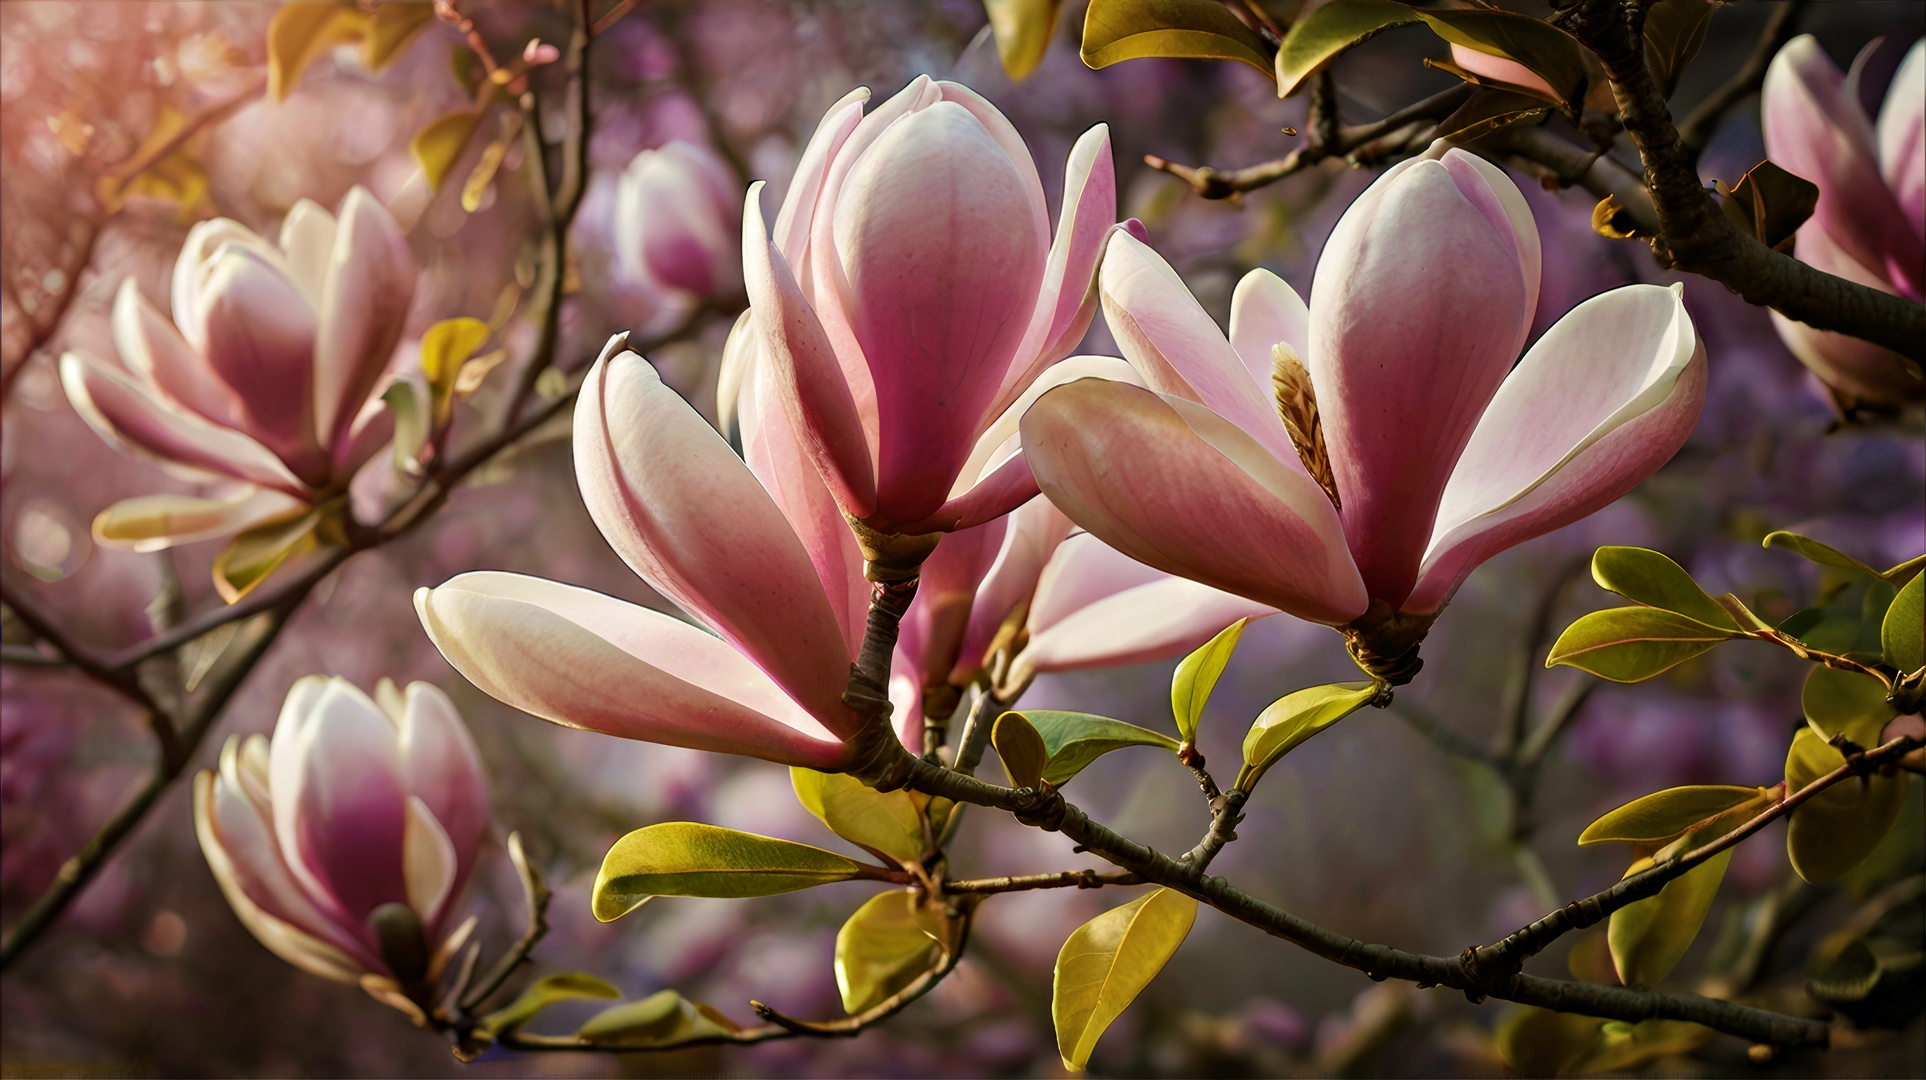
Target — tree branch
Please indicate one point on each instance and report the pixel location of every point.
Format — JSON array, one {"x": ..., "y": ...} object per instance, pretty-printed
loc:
[
  {"x": 1064, "y": 879},
  {"x": 1698, "y": 128},
  {"x": 1694, "y": 234}
]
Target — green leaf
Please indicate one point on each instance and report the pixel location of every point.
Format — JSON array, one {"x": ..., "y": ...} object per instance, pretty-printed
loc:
[
  {"x": 438, "y": 146},
  {"x": 1115, "y": 30},
  {"x": 1674, "y": 31},
  {"x": 251, "y": 556},
  {"x": 1769, "y": 204},
  {"x": 1021, "y": 748},
  {"x": 1074, "y": 740},
  {"x": 303, "y": 30},
  {"x": 1294, "y": 718},
  {"x": 687, "y": 858},
  {"x": 1845, "y": 703},
  {"x": 882, "y": 949},
  {"x": 1902, "y": 636},
  {"x": 1539, "y": 1042},
  {"x": 1837, "y": 828},
  {"x": 1622, "y": 1048},
  {"x": 1490, "y": 108},
  {"x": 392, "y": 28},
  {"x": 1649, "y": 578},
  {"x": 412, "y": 417},
  {"x": 1906, "y": 571},
  {"x": 546, "y": 991},
  {"x": 1023, "y": 30},
  {"x": 1814, "y": 551},
  {"x": 1633, "y": 644},
  {"x": 664, "y": 1018},
  {"x": 1661, "y": 817},
  {"x": 1320, "y": 37},
  {"x": 1549, "y": 52},
  {"x": 1649, "y": 937},
  {"x": 1108, "y": 961},
  {"x": 1801, "y": 622},
  {"x": 1197, "y": 676},
  {"x": 889, "y": 822}
]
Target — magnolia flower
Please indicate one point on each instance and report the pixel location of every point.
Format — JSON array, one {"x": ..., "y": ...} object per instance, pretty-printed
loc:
[
  {"x": 1369, "y": 452},
  {"x": 355, "y": 818},
  {"x": 1870, "y": 224},
  {"x": 912, "y": 292},
  {"x": 265, "y": 374},
  {"x": 675, "y": 219}
]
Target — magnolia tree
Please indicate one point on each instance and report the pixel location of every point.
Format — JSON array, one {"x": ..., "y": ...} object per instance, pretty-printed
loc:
[{"x": 895, "y": 449}]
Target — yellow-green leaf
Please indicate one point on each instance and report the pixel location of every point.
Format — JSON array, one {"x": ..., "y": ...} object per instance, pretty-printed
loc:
[
  {"x": 1294, "y": 718},
  {"x": 445, "y": 350},
  {"x": 394, "y": 25},
  {"x": 664, "y": 1018},
  {"x": 1023, "y": 30},
  {"x": 1073, "y": 740},
  {"x": 1325, "y": 33},
  {"x": 1108, "y": 961},
  {"x": 882, "y": 949},
  {"x": 150, "y": 522},
  {"x": 1837, "y": 828},
  {"x": 1906, "y": 571},
  {"x": 1539, "y": 1042},
  {"x": 1649, "y": 937},
  {"x": 687, "y": 858},
  {"x": 1197, "y": 676},
  {"x": 1116, "y": 30},
  {"x": 1549, "y": 52},
  {"x": 1902, "y": 636},
  {"x": 302, "y": 31},
  {"x": 1845, "y": 703},
  {"x": 1634, "y": 643},
  {"x": 412, "y": 419},
  {"x": 1661, "y": 817},
  {"x": 1649, "y": 578},
  {"x": 251, "y": 556},
  {"x": 544, "y": 992},
  {"x": 1622, "y": 1048},
  {"x": 890, "y": 822},
  {"x": 439, "y": 145},
  {"x": 1021, "y": 748},
  {"x": 1814, "y": 551}
]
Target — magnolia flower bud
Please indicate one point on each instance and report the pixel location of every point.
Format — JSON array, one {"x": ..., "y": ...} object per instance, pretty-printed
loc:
[{"x": 676, "y": 220}]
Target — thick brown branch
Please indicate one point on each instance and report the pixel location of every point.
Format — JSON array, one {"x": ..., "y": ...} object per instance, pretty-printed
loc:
[{"x": 1694, "y": 234}]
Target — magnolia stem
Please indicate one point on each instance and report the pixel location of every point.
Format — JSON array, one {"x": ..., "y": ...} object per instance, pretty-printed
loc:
[
  {"x": 1063, "y": 879},
  {"x": 976, "y": 730}
]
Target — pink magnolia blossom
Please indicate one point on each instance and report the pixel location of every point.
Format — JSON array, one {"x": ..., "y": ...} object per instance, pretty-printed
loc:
[
  {"x": 1870, "y": 224},
  {"x": 265, "y": 374},
  {"x": 912, "y": 292},
  {"x": 676, "y": 219},
  {"x": 1499, "y": 69},
  {"x": 1441, "y": 452},
  {"x": 354, "y": 804}
]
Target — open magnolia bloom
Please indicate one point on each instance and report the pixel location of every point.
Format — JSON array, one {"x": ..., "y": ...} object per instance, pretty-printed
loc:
[
  {"x": 912, "y": 292},
  {"x": 355, "y": 826},
  {"x": 266, "y": 373},
  {"x": 695, "y": 522},
  {"x": 1360, "y": 457},
  {"x": 1870, "y": 223}
]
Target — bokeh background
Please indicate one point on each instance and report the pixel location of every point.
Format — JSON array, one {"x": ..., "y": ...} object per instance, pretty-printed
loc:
[{"x": 1388, "y": 828}]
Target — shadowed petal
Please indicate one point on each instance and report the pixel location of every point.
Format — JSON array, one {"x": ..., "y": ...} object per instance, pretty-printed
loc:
[
  {"x": 442, "y": 768},
  {"x": 1166, "y": 617},
  {"x": 656, "y": 679},
  {"x": 154, "y": 349},
  {"x": 1034, "y": 531},
  {"x": 1857, "y": 368},
  {"x": 1902, "y": 138},
  {"x": 260, "y": 335}
]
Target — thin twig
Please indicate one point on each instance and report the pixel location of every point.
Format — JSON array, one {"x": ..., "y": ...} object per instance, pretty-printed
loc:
[
  {"x": 976, "y": 730},
  {"x": 1063, "y": 879},
  {"x": 28, "y": 656},
  {"x": 1698, "y": 128}
]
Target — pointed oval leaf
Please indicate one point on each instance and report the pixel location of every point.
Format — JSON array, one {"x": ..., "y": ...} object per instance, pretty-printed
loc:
[
  {"x": 1539, "y": 1042},
  {"x": 664, "y": 1018},
  {"x": 251, "y": 556},
  {"x": 391, "y": 29},
  {"x": 1116, "y": 30},
  {"x": 1902, "y": 636},
  {"x": 1661, "y": 817},
  {"x": 1845, "y": 703},
  {"x": 1839, "y": 827},
  {"x": 889, "y": 822},
  {"x": 438, "y": 146},
  {"x": 1073, "y": 740},
  {"x": 1197, "y": 676},
  {"x": 544, "y": 992},
  {"x": 1549, "y": 52},
  {"x": 882, "y": 949},
  {"x": 687, "y": 858},
  {"x": 1023, "y": 30},
  {"x": 1649, "y": 937},
  {"x": 302, "y": 31},
  {"x": 1649, "y": 578},
  {"x": 1326, "y": 33},
  {"x": 143, "y": 519},
  {"x": 1906, "y": 571},
  {"x": 1674, "y": 31},
  {"x": 1294, "y": 718},
  {"x": 447, "y": 345},
  {"x": 1633, "y": 644},
  {"x": 1108, "y": 961},
  {"x": 1814, "y": 551},
  {"x": 1622, "y": 1048},
  {"x": 1021, "y": 748}
]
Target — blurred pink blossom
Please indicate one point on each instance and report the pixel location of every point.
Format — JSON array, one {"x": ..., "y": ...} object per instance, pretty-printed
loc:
[{"x": 676, "y": 219}]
